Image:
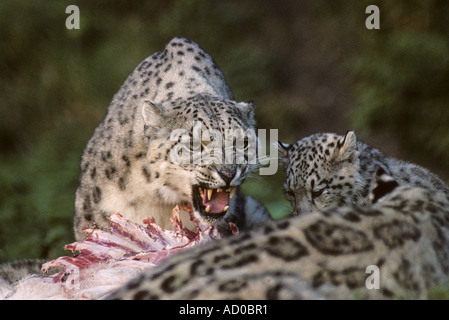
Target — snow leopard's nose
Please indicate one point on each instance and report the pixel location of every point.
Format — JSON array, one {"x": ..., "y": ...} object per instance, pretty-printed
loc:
[{"x": 227, "y": 173}]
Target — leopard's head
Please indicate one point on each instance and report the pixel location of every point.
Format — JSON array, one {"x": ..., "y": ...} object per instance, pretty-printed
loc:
[
  {"x": 204, "y": 147},
  {"x": 322, "y": 171}
]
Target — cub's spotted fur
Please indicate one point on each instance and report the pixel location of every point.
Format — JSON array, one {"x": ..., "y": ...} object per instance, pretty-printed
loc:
[
  {"x": 324, "y": 254},
  {"x": 327, "y": 170},
  {"x": 126, "y": 166}
]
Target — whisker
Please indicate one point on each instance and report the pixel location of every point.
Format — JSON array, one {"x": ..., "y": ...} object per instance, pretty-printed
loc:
[{"x": 255, "y": 177}]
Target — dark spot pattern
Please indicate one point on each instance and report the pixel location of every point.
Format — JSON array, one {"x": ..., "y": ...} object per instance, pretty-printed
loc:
[
  {"x": 336, "y": 239},
  {"x": 396, "y": 233}
]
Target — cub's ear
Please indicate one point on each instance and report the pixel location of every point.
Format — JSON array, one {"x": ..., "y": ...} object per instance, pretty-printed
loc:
[
  {"x": 283, "y": 152},
  {"x": 346, "y": 148},
  {"x": 152, "y": 114},
  {"x": 382, "y": 185}
]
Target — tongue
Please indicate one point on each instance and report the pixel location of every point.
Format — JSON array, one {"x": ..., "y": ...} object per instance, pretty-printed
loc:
[{"x": 217, "y": 202}]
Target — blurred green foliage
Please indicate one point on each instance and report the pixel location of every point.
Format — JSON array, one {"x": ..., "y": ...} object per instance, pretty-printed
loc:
[
  {"x": 439, "y": 293},
  {"x": 55, "y": 85},
  {"x": 402, "y": 79}
]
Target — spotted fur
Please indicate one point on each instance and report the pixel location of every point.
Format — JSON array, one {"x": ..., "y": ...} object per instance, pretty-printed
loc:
[
  {"x": 126, "y": 166},
  {"x": 325, "y": 254},
  {"x": 328, "y": 170}
]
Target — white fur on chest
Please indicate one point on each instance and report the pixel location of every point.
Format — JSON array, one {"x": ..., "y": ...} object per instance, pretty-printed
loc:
[{"x": 142, "y": 199}]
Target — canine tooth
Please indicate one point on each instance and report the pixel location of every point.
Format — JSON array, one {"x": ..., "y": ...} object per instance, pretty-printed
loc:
[
  {"x": 208, "y": 209},
  {"x": 225, "y": 208},
  {"x": 232, "y": 193},
  {"x": 209, "y": 193}
]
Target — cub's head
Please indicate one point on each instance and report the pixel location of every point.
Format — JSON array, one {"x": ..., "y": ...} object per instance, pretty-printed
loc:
[
  {"x": 202, "y": 148},
  {"x": 322, "y": 171}
]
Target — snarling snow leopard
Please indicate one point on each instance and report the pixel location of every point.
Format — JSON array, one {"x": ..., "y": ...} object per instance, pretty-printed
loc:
[
  {"x": 328, "y": 170},
  {"x": 127, "y": 166},
  {"x": 396, "y": 246}
]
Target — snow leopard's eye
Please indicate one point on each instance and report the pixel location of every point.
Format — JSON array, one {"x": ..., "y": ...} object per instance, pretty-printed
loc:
[
  {"x": 318, "y": 192},
  {"x": 196, "y": 146},
  {"x": 245, "y": 144},
  {"x": 205, "y": 143},
  {"x": 289, "y": 195}
]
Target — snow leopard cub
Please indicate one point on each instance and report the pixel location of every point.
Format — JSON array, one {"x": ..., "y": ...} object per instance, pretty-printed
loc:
[{"x": 329, "y": 170}]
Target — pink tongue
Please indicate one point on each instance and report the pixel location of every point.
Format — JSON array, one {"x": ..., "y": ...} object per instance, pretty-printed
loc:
[{"x": 217, "y": 202}]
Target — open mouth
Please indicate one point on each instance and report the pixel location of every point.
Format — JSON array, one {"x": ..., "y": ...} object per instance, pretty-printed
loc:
[{"x": 212, "y": 203}]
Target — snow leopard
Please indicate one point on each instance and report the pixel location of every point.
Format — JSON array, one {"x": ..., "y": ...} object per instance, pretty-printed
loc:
[
  {"x": 396, "y": 246},
  {"x": 329, "y": 170},
  {"x": 128, "y": 167}
]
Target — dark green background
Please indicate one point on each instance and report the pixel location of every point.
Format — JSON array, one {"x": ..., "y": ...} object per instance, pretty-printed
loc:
[{"x": 310, "y": 66}]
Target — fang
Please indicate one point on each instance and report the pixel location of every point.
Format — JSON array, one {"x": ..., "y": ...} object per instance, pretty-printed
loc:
[
  {"x": 232, "y": 193},
  {"x": 209, "y": 193},
  {"x": 208, "y": 209}
]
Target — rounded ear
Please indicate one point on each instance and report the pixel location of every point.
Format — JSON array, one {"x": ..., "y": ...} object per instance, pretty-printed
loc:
[
  {"x": 381, "y": 185},
  {"x": 152, "y": 114},
  {"x": 283, "y": 152},
  {"x": 346, "y": 147},
  {"x": 247, "y": 107},
  {"x": 283, "y": 149},
  {"x": 251, "y": 104}
]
